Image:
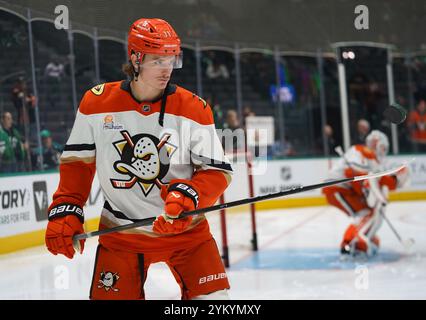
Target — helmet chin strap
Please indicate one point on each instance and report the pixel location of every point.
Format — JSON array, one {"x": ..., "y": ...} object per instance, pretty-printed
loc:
[{"x": 138, "y": 62}]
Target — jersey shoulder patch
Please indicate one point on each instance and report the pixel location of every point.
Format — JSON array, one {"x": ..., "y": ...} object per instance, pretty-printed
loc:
[
  {"x": 98, "y": 89},
  {"x": 203, "y": 102}
]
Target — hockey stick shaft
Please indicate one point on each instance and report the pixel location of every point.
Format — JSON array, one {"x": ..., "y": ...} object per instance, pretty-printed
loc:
[
  {"x": 373, "y": 185},
  {"x": 406, "y": 243},
  {"x": 391, "y": 226},
  {"x": 149, "y": 221}
]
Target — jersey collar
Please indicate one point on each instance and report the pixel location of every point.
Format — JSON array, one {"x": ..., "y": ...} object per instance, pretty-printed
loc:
[
  {"x": 125, "y": 85},
  {"x": 169, "y": 90}
]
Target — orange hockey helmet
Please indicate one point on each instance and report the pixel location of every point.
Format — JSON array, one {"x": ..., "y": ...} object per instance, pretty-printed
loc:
[{"x": 154, "y": 36}]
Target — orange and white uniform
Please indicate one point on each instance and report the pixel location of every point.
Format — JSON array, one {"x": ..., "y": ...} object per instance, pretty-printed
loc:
[
  {"x": 352, "y": 198},
  {"x": 137, "y": 147}
]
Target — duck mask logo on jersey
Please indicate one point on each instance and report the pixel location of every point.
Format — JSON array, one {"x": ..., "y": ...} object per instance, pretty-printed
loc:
[
  {"x": 144, "y": 158},
  {"x": 108, "y": 280}
]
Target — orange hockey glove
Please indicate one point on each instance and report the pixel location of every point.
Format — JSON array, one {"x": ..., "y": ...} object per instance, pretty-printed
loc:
[
  {"x": 65, "y": 220},
  {"x": 178, "y": 197}
]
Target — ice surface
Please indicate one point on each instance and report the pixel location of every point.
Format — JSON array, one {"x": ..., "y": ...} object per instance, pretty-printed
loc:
[{"x": 298, "y": 258}]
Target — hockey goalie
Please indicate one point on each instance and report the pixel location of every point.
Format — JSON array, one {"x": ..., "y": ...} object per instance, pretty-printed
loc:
[
  {"x": 363, "y": 201},
  {"x": 155, "y": 150}
]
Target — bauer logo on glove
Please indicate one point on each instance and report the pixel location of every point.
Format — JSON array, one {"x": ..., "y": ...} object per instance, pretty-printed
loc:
[
  {"x": 178, "y": 197},
  {"x": 66, "y": 209},
  {"x": 65, "y": 221}
]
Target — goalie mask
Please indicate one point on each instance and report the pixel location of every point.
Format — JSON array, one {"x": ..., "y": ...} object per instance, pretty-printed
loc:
[{"x": 379, "y": 143}]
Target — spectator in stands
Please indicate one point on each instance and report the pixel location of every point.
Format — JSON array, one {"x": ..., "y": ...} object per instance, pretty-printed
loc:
[
  {"x": 231, "y": 121},
  {"x": 417, "y": 122},
  {"x": 247, "y": 112},
  {"x": 217, "y": 112},
  {"x": 215, "y": 69},
  {"x": 233, "y": 131},
  {"x": 54, "y": 70},
  {"x": 51, "y": 152},
  {"x": 53, "y": 74},
  {"x": 25, "y": 103},
  {"x": 12, "y": 152},
  {"x": 363, "y": 128},
  {"x": 283, "y": 148},
  {"x": 329, "y": 140}
]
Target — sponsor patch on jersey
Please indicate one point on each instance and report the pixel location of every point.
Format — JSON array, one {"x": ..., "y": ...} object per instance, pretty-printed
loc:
[
  {"x": 109, "y": 123},
  {"x": 108, "y": 280},
  {"x": 98, "y": 90}
]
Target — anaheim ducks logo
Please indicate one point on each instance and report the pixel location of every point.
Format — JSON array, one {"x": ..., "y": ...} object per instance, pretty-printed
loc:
[
  {"x": 144, "y": 158},
  {"x": 98, "y": 90},
  {"x": 108, "y": 280}
]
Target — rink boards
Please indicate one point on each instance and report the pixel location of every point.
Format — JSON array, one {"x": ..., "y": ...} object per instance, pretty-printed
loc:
[{"x": 24, "y": 198}]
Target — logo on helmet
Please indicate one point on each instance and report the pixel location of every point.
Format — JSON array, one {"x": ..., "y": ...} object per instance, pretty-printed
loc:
[
  {"x": 145, "y": 159},
  {"x": 144, "y": 26}
]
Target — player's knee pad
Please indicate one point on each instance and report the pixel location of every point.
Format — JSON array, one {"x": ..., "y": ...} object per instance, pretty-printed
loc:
[{"x": 217, "y": 295}]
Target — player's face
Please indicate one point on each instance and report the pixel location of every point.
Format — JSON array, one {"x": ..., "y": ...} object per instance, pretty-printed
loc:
[{"x": 156, "y": 70}]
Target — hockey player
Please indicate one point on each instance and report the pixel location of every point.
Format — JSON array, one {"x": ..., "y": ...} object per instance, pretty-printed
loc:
[
  {"x": 155, "y": 150},
  {"x": 362, "y": 201}
]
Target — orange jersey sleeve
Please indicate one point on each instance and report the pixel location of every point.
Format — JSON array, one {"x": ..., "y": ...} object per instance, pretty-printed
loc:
[{"x": 77, "y": 168}]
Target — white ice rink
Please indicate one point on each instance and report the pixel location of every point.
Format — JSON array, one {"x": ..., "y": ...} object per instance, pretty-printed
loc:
[{"x": 297, "y": 259}]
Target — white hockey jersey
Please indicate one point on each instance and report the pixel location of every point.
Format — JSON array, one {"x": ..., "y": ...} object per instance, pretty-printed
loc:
[{"x": 136, "y": 147}]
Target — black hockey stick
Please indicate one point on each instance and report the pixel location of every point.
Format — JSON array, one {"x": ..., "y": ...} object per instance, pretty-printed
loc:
[
  {"x": 149, "y": 221},
  {"x": 406, "y": 243}
]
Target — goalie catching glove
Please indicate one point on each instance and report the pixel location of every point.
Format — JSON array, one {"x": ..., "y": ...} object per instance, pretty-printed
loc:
[
  {"x": 180, "y": 196},
  {"x": 65, "y": 220}
]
